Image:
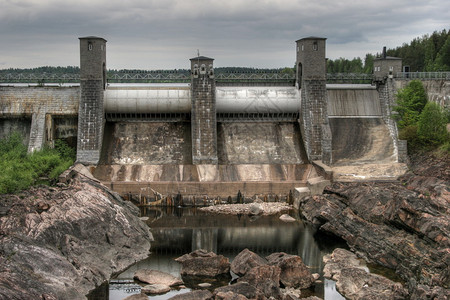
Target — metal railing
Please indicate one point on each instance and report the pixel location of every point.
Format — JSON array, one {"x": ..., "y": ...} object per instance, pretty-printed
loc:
[
  {"x": 39, "y": 78},
  {"x": 178, "y": 77},
  {"x": 423, "y": 75},
  {"x": 149, "y": 77},
  {"x": 349, "y": 78}
]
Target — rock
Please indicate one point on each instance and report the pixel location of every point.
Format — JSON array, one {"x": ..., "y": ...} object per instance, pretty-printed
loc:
[
  {"x": 229, "y": 296},
  {"x": 194, "y": 254},
  {"x": 354, "y": 282},
  {"x": 268, "y": 208},
  {"x": 246, "y": 260},
  {"x": 205, "y": 285},
  {"x": 154, "y": 289},
  {"x": 194, "y": 295},
  {"x": 65, "y": 241},
  {"x": 137, "y": 297},
  {"x": 157, "y": 277},
  {"x": 240, "y": 288},
  {"x": 399, "y": 225},
  {"x": 315, "y": 276},
  {"x": 291, "y": 293},
  {"x": 425, "y": 292},
  {"x": 204, "y": 265},
  {"x": 256, "y": 209},
  {"x": 294, "y": 273},
  {"x": 287, "y": 218},
  {"x": 266, "y": 279},
  {"x": 338, "y": 260}
]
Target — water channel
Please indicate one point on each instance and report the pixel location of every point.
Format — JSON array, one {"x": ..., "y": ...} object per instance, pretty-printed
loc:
[{"x": 179, "y": 231}]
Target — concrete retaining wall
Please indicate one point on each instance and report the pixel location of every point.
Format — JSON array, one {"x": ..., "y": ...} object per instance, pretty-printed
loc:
[{"x": 37, "y": 103}]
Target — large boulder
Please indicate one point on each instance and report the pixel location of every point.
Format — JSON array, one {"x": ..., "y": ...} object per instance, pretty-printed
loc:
[
  {"x": 137, "y": 297},
  {"x": 194, "y": 295},
  {"x": 294, "y": 273},
  {"x": 195, "y": 254},
  {"x": 229, "y": 296},
  {"x": 240, "y": 288},
  {"x": 338, "y": 260},
  {"x": 155, "y": 289},
  {"x": 157, "y": 277},
  {"x": 266, "y": 279},
  {"x": 64, "y": 241},
  {"x": 354, "y": 282},
  {"x": 245, "y": 261},
  {"x": 201, "y": 263}
]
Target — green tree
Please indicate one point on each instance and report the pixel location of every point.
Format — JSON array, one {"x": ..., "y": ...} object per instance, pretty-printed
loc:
[
  {"x": 443, "y": 57},
  {"x": 410, "y": 102},
  {"x": 432, "y": 125}
]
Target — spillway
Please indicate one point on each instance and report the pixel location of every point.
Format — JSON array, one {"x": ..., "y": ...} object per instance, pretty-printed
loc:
[
  {"x": 147, "y": 141},
  {"x": 360, "y": 134}
]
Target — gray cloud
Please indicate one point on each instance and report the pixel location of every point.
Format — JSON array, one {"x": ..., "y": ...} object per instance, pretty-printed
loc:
[{"x": 166, "y": 33}]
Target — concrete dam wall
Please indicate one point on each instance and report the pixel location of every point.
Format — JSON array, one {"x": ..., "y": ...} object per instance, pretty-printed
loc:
[
  {"x": 353, "y": 101},
  {"x": 265, "y": 159},
  {"x": 360, "y": 133}
]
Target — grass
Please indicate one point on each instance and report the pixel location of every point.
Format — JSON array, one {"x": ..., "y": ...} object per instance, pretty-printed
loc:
[{"x": 20, "y": 170}]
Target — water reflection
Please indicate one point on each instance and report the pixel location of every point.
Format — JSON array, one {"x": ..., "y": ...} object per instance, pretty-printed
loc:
[{"x": 180, "y": 231}]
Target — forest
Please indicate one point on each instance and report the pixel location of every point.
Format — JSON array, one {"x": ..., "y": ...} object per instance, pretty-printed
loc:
[{"x": 429, "y": 53}]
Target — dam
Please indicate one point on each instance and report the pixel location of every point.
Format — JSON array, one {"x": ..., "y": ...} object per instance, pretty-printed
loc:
[
  {"x": 210, "y": 139},
  {"x": 148, "y": 138}
]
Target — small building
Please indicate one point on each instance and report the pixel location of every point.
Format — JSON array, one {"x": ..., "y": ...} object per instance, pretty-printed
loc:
[{"x": 386, "y": 66}]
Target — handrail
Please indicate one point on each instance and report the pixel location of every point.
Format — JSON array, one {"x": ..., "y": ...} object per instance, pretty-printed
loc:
[{"x": 220, "y": 77}]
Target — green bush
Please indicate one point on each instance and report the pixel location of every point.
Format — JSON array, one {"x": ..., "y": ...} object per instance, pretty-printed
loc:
[
  {"x": 432, "y": 125},
  {"x": 21, "y": 170},
  {"x": 410, "y": 102},
  {"x": 409, "y": 133}
]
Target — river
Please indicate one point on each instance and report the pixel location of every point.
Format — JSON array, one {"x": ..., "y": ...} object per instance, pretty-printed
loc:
[{"x": 179, "y": 231}]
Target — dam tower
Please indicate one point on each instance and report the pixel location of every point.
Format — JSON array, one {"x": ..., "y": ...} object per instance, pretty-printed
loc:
[
  {"x": 92, "y": 86},
  {"x": 203, "y": 111},
  {"x": 311, "y": 79}
]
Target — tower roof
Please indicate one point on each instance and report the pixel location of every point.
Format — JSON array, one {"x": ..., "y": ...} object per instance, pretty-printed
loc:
[
  {"x": 311, "y": 38},
  {"x": 202, "y": 58},
  {"x": 91, "y": 38}
]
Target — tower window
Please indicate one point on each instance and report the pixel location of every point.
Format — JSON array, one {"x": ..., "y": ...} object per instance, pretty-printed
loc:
[
  {"x": 315, "y": 46},
  {"x": 90, "y": 46}
]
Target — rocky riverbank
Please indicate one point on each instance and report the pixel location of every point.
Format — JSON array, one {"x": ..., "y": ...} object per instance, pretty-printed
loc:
[
  {"x": 402, "y": 225},
  {"x": 62, "y": 242},
  {"x": 278, "y": 276}
]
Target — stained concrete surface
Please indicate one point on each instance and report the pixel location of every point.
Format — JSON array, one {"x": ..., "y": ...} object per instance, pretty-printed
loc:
[
  {"x": 260, "y": 143},
  {"x": 359, "y": 141},
  {"x": 13, "y": 125},
  {"x": 142, "y": 143}
]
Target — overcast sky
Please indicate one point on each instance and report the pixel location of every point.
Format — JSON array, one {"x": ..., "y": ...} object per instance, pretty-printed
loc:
[{"x": 164, "y": 34}]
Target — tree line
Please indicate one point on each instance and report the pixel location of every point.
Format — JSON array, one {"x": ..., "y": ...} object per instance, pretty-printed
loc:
[{"x": 428, "y": 53}]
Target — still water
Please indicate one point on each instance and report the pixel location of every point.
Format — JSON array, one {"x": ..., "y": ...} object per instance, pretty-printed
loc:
[{"x": 180, "y": 231}]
